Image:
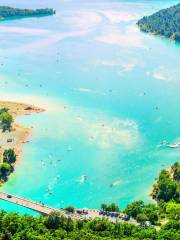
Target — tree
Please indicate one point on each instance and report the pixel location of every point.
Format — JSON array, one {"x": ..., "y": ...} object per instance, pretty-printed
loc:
[
  {"x": 5, "y": 170},
  {"x": 134, "y": 208},
  {"x": 79, "y": 224},
  {"x": 151, "y": 211},
  {"x": 6, "y": 121},
  {"x": 173, "y": 210},
  {"x": 53, "y": 220},
  {"x": 113, "y": 208},
  {"x": 70, "y": 209},
  {"x": 98, "y": 225},
  {"x": 69, "y": 226},
  {"x": 142, "y": 219},
  {"x": 166, "y": 188},
  {"x": 103, "y": 206},
  {"x": 175, "y": 165},
  {"x": 176, "y": 174},
  {"x": 2, "y": 110},
  {"x": 110, "y": 208},
  {"x": 9, "y": 156}
]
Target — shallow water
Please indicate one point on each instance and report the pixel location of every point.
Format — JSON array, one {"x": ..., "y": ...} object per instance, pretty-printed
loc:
[{"x": 111, "y": 95}]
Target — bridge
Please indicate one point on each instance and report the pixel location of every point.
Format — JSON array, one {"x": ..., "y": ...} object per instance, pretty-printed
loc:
[
  {"x": 44, "y": 209},
  {"x": 35, "y": 206}
]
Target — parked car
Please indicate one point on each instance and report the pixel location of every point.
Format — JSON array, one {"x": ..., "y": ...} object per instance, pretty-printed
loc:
[
  {"x": 9, "y": 196},
  {"x": 79, "y": 211}
]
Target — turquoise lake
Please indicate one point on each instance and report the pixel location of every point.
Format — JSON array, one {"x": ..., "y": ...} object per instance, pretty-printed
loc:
[{"x": 111, "y": 95}]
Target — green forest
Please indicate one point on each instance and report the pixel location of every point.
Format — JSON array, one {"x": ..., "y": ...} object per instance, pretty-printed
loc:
[
  {"x": 9, "y": 12},
  {"x": 163, "y": 216},
  {"x": 166, "y": 23}
]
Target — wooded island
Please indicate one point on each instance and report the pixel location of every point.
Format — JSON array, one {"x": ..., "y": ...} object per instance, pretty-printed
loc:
[
  {"x": 166, "y": 23},
  {"x": 9, "y": 12}
]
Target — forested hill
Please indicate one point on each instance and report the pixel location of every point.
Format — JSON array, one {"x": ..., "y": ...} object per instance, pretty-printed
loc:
[
  {"x": 166, "y": 23},
  {"x": 9, "y": 12}
]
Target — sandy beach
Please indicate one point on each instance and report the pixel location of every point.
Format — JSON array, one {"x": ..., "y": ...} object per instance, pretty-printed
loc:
[{"x": 19, "y": 134}]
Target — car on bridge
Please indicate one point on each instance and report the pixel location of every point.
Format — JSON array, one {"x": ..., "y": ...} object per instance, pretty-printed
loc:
[{"x": 9, "y": 196}]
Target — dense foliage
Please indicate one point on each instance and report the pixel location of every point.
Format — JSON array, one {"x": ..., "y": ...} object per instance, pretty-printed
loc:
[
  {"x": 111, "y": 207},
  {"x": 8, "y": 12},
  {"x": 6, "y": 120},
  {"x": 143, "y": 213},
  {"x": 167, "y": 187},
  {"x": 6, "y": 167},
  {"x": 70, "y": 209},
  {"x": 165, "y": 22},
  {"x": 9, "y": 156},
  {"x": 56, "y": 227},
  {"x": 5, "y": 170}
]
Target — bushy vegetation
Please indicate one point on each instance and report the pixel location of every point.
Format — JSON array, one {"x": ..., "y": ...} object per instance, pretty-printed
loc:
[
  {"x": 110, "y": 208},
  {"x": 8, "y": 12},
  {"x": 70, "y": 209},
  {"x": 5, "y": 170},
  {"x": 6, "y": 120},
  {"x": 143, "y": 213},
  {"x": 6, "y": 167},
  {"x": 9, "y": 156},
  {"x": 56, "y": 227},
  {"x": 165, "y": 22},
  {"x": 167, "y": 187}
]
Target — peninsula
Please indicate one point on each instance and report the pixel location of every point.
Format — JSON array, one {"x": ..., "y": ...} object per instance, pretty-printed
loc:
[
  {"x": 164, "y": 23},
  {"x": 12, "y": 136},
  {"x": 12, "y": 13}
]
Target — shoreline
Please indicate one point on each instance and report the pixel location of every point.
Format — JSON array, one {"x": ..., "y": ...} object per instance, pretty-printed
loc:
[{"x": 19, "y": 134}]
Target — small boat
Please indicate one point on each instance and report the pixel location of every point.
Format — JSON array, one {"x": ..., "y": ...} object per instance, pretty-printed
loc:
[
  {"x": 42, "y": 163},
  {"x": 174, "y": 145},
  {"x": 115, "y": 183},
  {"x": 83, "y": 178}
]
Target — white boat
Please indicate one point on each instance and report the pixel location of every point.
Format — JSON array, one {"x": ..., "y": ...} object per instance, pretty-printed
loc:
[
  {"x": 83, "y": 178},
  {"x": 115, "y": 183},
  {"x": 174, "y": 145}
]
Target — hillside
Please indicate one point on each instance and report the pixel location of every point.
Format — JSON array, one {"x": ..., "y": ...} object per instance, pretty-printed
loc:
[
  {"x": 8, "y": 12},
  {"x": 166, "y": 23}
]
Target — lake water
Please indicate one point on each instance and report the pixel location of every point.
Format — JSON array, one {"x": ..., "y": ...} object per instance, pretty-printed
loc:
[{"x": 111, "y": 95}]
